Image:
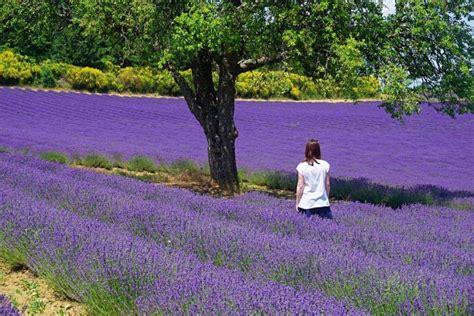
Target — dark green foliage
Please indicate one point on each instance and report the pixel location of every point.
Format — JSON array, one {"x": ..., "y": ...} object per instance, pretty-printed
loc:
[
  {"x": 429, "y": 51},
  {"x": 47, "y": 74},
  {"x": 141, "y": 163},
  {"x": 3, "y": 149},
  {"x": 96, "y": 161},
  {"x": 80, "y": 32},
  {"x": 54, "y": 156}
]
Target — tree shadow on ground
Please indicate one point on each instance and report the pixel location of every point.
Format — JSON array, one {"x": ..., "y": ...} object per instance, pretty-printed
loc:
[{"x": 364, "y": 190}]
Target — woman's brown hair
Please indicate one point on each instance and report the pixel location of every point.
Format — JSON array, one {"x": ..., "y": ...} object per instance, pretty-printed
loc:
[{"x": 312, "y": 151}]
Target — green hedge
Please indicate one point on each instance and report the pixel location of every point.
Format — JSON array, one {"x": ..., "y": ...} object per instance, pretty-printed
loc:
[
  {"x": 14, "y": 69},
  {"x": 18, "y": 70}
]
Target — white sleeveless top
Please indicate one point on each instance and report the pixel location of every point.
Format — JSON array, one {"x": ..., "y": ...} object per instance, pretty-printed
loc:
[{"x": 314, "y": 194}]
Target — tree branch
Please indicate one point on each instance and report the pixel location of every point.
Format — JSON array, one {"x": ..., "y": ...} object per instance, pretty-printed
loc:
[
  {"x": 188, "y": 94},
  {"x": 186, "y": 90},
  {"x": 251, "y": 64}
]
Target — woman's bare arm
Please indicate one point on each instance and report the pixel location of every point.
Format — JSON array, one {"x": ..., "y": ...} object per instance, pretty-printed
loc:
[
  {"x": 299, "y": 189},
  {"x": 328, "y": 184}
]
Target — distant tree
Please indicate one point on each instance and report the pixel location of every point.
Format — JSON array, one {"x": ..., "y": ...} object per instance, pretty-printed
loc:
[{"x": 81, "y": 32}]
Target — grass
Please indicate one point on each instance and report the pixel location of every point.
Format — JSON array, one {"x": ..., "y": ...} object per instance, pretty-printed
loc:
[
  {"x": 274, "y": 182},
  {"x": 140, "y": 164},
  {"x": 36, "y": 305},
  {"x": 184, "y": 166},
  {"x": 54, "y": 156},
  {"x": 96, "y": 161},
  {"x": 118, "y": 162}
]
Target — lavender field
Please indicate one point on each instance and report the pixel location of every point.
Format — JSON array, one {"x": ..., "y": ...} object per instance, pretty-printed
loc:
[
  {"x": 121, "y": 246},
  {"x": 360, "y": 141}
]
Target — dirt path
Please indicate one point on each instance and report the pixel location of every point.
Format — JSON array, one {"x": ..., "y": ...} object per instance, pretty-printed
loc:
[
  {"x": 157, "y": 96},
  {"x": 25, "y": 290},
  {"x": 198, "y": 183}
]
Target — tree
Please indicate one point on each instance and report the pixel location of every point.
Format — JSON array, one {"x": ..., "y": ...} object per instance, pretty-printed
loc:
[
  {"x": 233, "y": 37},
  {"x": 80, "y": 32},
  {"x": 230, "y": 37},
  {"x": 430, "y": 48}
]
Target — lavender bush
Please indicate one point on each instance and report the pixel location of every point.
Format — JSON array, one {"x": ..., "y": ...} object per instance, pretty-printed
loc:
[
  {"x": 114, "y": 272},
  {"x": 360, "y": 141},
  {"x": 6, "y": 307},
  {"x": 413, "y": 259}
]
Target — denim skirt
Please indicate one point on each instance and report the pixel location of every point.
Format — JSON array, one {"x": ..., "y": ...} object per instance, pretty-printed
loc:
[{"x": 323, "y": 212}]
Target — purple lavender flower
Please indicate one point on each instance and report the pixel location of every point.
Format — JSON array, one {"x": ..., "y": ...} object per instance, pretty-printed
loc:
[
  {"x": 6, "y": 307},
  {"x": 373, "y": 257},
  {"x": 360, "y": 141}
]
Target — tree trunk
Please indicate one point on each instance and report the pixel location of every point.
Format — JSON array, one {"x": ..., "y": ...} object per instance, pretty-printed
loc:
[
  {"x": 221, "y": 154},
  {"x": 221, "y": 133},
  {"x": 214, "y": 110}
]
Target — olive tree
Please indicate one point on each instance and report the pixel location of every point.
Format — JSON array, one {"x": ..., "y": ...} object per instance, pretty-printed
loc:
[{"x": 424, "y": 41}]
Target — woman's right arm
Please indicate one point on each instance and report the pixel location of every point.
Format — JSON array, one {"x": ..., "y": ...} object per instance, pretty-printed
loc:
[
  {"x": 328, "y": 184},
  {"x": 299, "y": 189}
]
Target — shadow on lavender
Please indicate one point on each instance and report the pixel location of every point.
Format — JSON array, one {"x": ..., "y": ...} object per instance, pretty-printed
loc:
[{"x": 364, "y": 190}]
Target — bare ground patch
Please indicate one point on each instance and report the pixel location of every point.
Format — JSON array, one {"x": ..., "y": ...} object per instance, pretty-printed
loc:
[
  {"x": 196, "y": 182},
  {"x": 32, "y": 294}
]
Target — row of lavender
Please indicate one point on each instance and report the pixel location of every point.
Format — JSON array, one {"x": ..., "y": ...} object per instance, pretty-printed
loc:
[
  {"x": 114, "y": 271},
  {"x": 7, "y": 308},
  {"x": 377, "y": 259},
  {"x": 358, "y": 140},
  {"x": 437, "y": 244},
  {"x": 117, "y": 273}
]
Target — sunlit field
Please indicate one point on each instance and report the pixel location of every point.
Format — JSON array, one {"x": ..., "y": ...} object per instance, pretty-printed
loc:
[{"x": 120, "y": 245}]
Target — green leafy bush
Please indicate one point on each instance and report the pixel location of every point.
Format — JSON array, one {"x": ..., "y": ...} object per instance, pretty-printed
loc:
[
  {"x": 14, "y": 69},
  {"x": 141, "y": 163},
  {"x": 264, "y": 85},
  {"x": 367, "y": 86},
  {"x": 327, "y": 88},
  {"x": 87, "y": 79},
  {"x": 114, "y": 83},
  {"x": 165, "y": 84},
  {"x": 140, "y": 80},
  {"x": 302, "y": 87},
  {"x": 280, "y": 84},
  {"x": 54, "y": 156},
  {"x": 48, "y": 73},
  {"x": 96, "y": 161}
]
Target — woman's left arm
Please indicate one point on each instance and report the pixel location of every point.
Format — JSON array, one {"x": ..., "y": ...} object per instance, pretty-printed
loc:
[{"x": 299, "y": 189}]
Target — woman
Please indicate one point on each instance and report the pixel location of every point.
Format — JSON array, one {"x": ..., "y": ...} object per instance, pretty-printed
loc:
[{"x": 312, "y": 191}]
